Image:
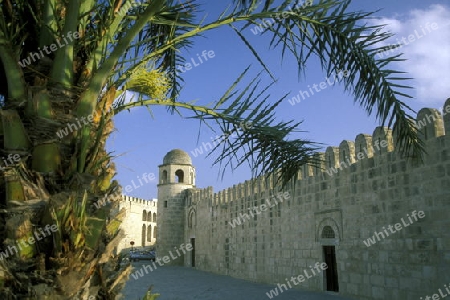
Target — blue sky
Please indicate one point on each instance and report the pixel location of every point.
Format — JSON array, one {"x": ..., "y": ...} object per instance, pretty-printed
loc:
[{"x": 329, "y": 116}]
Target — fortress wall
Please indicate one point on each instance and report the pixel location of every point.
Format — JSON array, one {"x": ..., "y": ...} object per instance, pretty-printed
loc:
[
  {"x": 133, "y": 222},
  {"x": 370, "y": 191}
]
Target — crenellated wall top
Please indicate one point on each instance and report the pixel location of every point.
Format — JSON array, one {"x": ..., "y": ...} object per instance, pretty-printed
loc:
[
  {"x": 430, "y": 123},
  {"x": 144, "y": 202}
]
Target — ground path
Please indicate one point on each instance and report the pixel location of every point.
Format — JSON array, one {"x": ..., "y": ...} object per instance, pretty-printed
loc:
[{"x": 183, "y": 283}]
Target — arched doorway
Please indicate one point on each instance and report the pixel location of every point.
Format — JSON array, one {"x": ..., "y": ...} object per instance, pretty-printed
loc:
[{"x": 328, "y": 238}]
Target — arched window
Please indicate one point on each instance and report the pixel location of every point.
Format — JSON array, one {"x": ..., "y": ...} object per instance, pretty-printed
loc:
[
  {"x": 149, "y": 233},
  {"x": 144, "y": 215},
  {"x": 149, "y": 216},
  {"x": 154, "y": 217},
  {"x": 154, "y": 232},
  {"x": 191, "y": 220},
  {"x": 328, "y": 233},
  {"x": 192, "y": 177},
  {"x": 143, "y": 235},
  {"x": 179, "y": 174},
  {"x": 164, "y": 177}
]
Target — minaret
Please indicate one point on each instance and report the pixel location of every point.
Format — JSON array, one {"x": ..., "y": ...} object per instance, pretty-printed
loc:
[{"x": 175, "y": 175}]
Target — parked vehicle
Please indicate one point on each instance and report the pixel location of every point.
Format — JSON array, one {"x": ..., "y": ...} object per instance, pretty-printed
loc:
[{"x": 142, "y": 255}]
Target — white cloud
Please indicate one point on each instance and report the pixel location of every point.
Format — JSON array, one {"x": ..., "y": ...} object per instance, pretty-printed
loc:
[{"x": 425, "y": 35}]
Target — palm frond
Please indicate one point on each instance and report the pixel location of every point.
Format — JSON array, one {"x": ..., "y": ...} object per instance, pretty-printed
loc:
[
  {"x": 342, "y": 41},
  {"x": 258, "y": 140},
  {"x": 248, "y": 116}
]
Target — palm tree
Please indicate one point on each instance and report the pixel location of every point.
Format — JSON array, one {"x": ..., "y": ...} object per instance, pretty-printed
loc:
[{"x": 66, "y": 68}]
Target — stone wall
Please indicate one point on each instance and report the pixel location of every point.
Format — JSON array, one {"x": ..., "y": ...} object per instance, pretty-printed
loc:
[
  {"x": 140, "y": 219},
  {"x": 373, "y": 187}
]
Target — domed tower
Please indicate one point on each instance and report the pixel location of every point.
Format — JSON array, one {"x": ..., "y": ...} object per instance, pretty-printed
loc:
[{"x": 175, "y": 175}]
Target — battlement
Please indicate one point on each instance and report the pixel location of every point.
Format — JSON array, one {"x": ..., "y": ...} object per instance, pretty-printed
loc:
[
  {"x": 149, "y": 203},
  {"x": 363, "y": 153}
]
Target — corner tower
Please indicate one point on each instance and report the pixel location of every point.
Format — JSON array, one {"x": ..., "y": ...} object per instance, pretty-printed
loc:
[{"x": 176, "y": 174}]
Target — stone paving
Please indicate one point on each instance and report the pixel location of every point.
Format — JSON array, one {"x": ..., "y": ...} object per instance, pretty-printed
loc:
[{"x": 183, "y": 283}]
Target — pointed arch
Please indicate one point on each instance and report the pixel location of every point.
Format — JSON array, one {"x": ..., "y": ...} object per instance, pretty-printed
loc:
[{"x": 192, "y": 219}]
